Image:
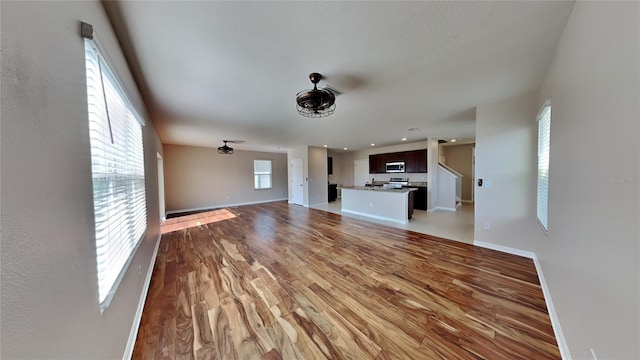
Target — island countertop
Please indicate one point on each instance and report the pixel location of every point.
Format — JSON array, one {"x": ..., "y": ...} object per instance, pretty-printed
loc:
[
  {"x": 380, "y": 203},
  {"x": 403, "y": 190}
]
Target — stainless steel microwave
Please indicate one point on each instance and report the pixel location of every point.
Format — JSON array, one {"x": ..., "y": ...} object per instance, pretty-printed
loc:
[{"x": 395, "y": 167}]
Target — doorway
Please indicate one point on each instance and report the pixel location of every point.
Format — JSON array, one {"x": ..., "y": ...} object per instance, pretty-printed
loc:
[
  {"x": 360, "y": 172},
  {"x": 297, "y": 182}
]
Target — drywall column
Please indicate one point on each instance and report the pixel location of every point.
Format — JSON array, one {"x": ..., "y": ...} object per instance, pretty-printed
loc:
[{"x": 506, "y": 162}]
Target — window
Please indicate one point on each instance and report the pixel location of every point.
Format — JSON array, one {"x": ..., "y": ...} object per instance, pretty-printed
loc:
[
  {"x": 544, "y": 129},
  {"x": 262, "y": 174},
  {"x": 117, "y": 167}
]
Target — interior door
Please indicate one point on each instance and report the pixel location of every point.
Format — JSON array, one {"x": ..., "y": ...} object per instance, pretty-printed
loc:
[
  {"x": 297, "y": 182},
  {"x": 360, "y": 172}
]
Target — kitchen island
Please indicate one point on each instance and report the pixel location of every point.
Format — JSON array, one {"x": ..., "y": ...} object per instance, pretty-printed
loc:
[{"x": 379, "y": 203}]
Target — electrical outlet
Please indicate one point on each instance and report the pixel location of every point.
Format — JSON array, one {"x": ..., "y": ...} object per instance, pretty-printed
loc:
[
  {"x": 593, "y": 354},
  {"x": 139, "y": 271},
  {"x": 487, "y": 226},
  {"x": 370, "y": 204}
]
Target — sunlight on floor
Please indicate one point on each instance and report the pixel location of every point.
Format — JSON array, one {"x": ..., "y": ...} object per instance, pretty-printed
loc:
[
  {"x": 455, "y": 225},
  {"x": 184, "y": 222}
]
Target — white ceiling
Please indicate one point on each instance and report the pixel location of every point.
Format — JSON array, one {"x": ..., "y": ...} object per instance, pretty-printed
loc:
[{"x": 231, "y": 70}]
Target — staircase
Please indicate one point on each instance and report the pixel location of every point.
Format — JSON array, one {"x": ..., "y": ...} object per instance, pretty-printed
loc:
[{"x": 449, "y": 188}]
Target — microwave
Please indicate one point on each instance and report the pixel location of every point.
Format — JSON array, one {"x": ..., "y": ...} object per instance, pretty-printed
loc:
[{"x": 395, "y": 167}]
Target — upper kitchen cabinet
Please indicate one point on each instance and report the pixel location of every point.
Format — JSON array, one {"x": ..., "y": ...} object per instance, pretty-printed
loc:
[
  {"x": 416, "y": 161},
  {"x": 394, "y": 157},
  {"x": 330, "y": 165},
  {"x": 377, "y": 164}
]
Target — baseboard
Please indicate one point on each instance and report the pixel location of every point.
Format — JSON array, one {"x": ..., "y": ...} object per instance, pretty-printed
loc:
[
  {"x": 374, "y": 216},
  {"x": 442, "y": 208},
  {"x": 467, "y": 201},
  {"x": 213, "y": 207},
  {"x": 505, "y": 249},
  {"x": 553, "y": 316},
  {"x": 133, "y": 335}
]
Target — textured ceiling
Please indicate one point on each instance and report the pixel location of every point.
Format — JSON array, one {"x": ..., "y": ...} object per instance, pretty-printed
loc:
[{"x": 230, "y": 70}]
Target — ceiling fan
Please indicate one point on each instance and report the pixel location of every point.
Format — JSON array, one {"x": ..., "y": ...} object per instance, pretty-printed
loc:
[{"x": 226, "y": 149}]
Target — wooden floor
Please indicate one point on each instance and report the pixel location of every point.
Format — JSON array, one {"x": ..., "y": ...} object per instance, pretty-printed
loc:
[{"x": 279, "y": 281}]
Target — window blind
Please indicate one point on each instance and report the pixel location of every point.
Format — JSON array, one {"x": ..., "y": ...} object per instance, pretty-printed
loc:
[
  {"x": 544, "y": 130},
  {"x": 117, "y": 166},
  {"x": 262, "y": 174}
]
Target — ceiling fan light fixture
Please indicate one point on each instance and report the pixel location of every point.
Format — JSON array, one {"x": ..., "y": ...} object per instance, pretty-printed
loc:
[
  {"x": 315, "y": 103},
  {"x": 225, "y": 149}
]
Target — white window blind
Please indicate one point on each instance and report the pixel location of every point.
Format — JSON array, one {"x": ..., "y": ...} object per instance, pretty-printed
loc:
[
  {"x": 544, "y": 130},
  {"x": 262, "y": 174},
  {"x": 117, "y": 166}
]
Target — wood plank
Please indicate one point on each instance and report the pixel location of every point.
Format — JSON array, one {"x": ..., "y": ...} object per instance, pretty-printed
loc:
[{"x": 278, "y": 281}]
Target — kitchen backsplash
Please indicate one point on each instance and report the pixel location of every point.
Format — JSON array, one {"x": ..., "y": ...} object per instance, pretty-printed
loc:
[
  {"x": 419, "y": 177},
  {"x": 411, "y": 183}
]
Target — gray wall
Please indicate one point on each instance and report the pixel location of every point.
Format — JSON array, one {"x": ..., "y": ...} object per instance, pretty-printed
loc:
[
  {"x": 590, "y": 256},
  {"x": 318, "y": 178},
  {"x": 49, "y": 282},
  {"x": 200, "y": 178}
]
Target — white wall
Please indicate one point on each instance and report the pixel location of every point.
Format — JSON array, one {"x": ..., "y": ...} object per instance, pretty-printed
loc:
[
  {"x": 49, "y": 283},
  {"x": 200, "y": 178},
  {"x": 590, "y": 256},
  {"x": 506, "y": 161}
]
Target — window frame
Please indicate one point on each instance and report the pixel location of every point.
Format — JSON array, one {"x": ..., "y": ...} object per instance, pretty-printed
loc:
[
  {"x": 130, "y": 230},
  {"x": 543, "y": 124},
  {"x": 255, "y": 174}
]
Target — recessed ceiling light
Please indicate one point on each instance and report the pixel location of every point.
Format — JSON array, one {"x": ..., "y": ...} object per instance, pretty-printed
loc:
[
  {"x": 325, "y": 145},
  {"x": 453, "y": 140},
  {"x": 372, "y": 144},
  {"x": 404, "y": 139},
  {"x": 346, "y": 148}
]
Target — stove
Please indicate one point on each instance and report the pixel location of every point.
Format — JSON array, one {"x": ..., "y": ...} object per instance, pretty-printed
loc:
[
  {"x": 396, "y": 183},
  {"x": 401, "y": 181}
]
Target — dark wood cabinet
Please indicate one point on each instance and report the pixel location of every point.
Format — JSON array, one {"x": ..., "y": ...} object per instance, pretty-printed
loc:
[
  {"x": 394, "y": 157},
  {"x": 333, "y": 192},
  {"x": 377, "y": 164},
  {"x": 330, "y": 165},
  {"x": 416, "y": 161},
  {"x": 420, "y": 198}
]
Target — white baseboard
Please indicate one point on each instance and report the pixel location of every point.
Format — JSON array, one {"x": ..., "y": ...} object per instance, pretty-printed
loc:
[
  {"x": 374, "y": 216},
  {"x": 555, "y": 321},
  {"x": 553, "y": 316},
  {"x": 505, "y": 249},
  {"x": 213, "y": 207},
  {"x": 128, "y": 352},
  {"x": 441, "y": 208}
]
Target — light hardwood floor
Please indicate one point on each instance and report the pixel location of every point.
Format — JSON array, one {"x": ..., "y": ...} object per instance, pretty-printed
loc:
[{"x": 279, "y": 281}]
